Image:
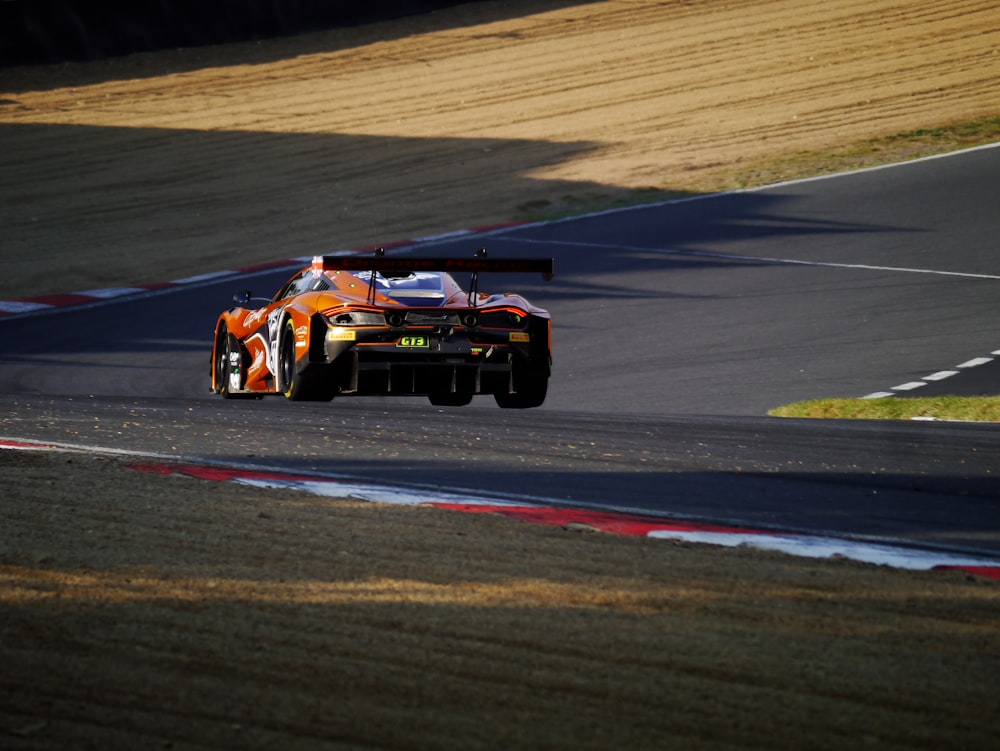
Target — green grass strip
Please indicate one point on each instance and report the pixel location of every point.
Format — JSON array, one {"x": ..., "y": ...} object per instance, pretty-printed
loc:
[{"x": 966, "y": 408}]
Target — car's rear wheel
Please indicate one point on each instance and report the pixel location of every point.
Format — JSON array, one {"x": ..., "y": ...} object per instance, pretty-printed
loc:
[
  {"x": 296, "y": 385},
  {"x": 530, "y": 385}
]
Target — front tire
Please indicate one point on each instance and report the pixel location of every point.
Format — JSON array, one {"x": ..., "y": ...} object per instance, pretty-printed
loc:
[{"x": 228, "y": 364}]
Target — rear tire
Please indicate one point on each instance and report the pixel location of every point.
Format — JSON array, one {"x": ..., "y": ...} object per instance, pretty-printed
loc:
[
  {"x": 298, "y": 386},
  {"x": 530, "y": 383}
]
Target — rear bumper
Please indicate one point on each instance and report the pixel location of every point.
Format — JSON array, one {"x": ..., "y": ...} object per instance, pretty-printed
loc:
[
  {"x": 427, "y": 361},
  {"x": 365, "y": 373}
]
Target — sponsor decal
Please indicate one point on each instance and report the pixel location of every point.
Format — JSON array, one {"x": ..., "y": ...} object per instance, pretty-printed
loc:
[
  {"x": 254, "y": 318},
  {"x": 339, "y": 334},
  {"x": 520, "y": 336}
]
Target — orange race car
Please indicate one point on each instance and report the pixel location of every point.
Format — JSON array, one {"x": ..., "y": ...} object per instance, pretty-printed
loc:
[{"x": 380, "y": 325}]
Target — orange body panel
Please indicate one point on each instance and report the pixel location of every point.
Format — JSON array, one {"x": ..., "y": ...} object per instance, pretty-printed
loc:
[{"x": 331, "y": 331}]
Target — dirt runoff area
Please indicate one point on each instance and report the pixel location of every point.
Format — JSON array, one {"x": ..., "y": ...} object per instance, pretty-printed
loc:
[
  {"x": 161, "y": 166},
  {"x": 187, "y": 614},
  {"x": 164, "y": 612}
]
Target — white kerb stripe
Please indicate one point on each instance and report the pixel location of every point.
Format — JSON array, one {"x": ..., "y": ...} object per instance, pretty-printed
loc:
[
  {"x": 112, "y": 292},
  {"x": 975, "y": 362},
  {"x": 909, "y": 386},
  {"x": 940, "y": 375},
  {"x": 14, "y": 306}
]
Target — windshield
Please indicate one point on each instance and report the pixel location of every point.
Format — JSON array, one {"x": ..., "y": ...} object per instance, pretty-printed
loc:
[{"x": 423, "y": 285}]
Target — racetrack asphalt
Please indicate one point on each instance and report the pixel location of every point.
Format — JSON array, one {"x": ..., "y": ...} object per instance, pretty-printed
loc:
[{"x": 676, "y": 327}]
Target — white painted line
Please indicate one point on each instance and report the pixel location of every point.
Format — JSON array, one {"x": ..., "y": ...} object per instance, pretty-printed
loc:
[
  {"x": 940, "y": 375},
  {"x": 443, "y": 236},
  {"x": 111, "y": 292},
  {"x": 753, "y": 259},
  {"x": 203, "y": 277},
  {"x": 909, "y": 386},
  {"x": 823, "y": 547},
  {"x": 372, "y": 493},
  {"x": 13, "y": 306},
  {"x": 876, "y": 168},
  {"x": 975, "y": 362}
]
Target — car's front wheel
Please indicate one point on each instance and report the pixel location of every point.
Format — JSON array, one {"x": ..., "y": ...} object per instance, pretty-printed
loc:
[{"x": 228, "y": 364}]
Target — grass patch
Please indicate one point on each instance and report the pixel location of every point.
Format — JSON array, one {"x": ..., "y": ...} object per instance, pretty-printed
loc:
[
  {"x": 968, "y": 408},
  {"x": 869, "y": 152}
]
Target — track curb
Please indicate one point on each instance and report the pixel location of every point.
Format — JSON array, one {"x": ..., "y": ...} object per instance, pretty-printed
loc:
[{"x": 612, "y": 522}]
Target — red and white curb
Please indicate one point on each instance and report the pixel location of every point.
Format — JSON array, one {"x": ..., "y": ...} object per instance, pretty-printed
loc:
[
  {"x": 26, "y": 305},
  {"x": 614, "y": 522}
]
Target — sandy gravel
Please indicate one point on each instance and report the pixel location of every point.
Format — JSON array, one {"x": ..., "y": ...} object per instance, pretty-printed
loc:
[
  {"x": 159, "y": 612},
  {"x": 157, "y": 167}
]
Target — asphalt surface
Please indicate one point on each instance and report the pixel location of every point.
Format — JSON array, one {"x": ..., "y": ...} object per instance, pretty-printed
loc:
[{"x": 676, "y": 328}]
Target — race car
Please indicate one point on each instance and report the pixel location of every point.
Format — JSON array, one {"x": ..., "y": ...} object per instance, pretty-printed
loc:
[{"x": 384, "y": 325}]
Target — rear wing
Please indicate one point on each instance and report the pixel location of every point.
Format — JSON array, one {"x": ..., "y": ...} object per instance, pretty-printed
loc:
[
  {"x": 390, "y": 265},
  {"x": 383, "y": 264}
]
